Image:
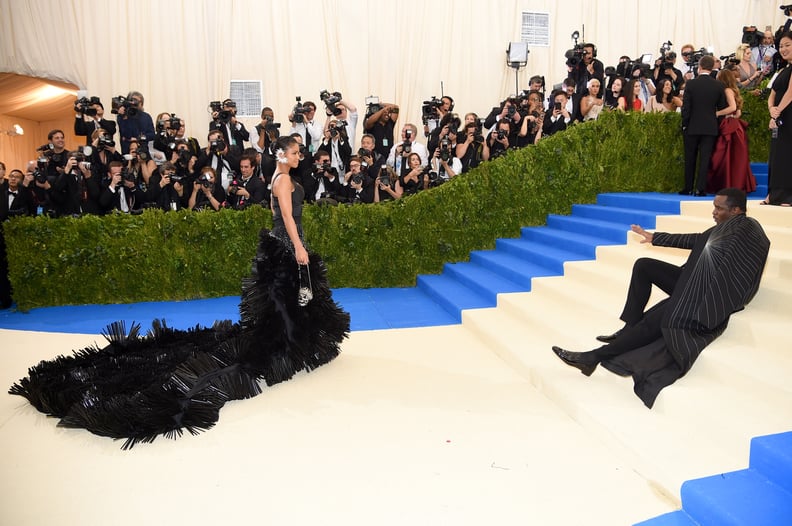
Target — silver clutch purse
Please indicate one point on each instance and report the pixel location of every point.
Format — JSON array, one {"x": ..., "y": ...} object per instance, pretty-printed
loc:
[{"x": 304, "y": 293}]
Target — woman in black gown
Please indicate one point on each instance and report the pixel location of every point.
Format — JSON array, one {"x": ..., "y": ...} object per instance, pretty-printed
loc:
[
  {"x": 139, "y": 387},
  {"x": 780, "y": 104}
]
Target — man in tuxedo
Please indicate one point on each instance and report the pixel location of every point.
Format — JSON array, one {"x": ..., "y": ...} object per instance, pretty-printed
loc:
[
  {"x": 16, "y": 199},
  {"x": 247, "y": 189},
  {"x": 220, "y": 157},
  {"x": 92, "y": 120},
  {"x": 704, "y": 96},
  {"x": 234, "y": 132},
  {"x": 720, "y": 277}
]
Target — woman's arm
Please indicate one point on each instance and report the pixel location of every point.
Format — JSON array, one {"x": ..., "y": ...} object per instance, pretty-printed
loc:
[
  {"x": 775, "y": 111},
  {"x": 731, "y": 105}
]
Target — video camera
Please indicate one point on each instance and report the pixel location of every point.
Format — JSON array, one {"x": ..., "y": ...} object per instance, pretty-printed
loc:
[
  {"x": 268, "y": 126},
  {"x": 299, "y": 111},
  {"x": 430, "y": 109},
  {"x": 668, "y": 57},
  {"x": 85, "y": 105},
  {"x": 130, "y": 106},
  {"x": 574, "y": 56},
  {"x": 730, "y": 60},
  {"x": 372, "y": 105},
  {"x": 330, "y": 100},
  {"x": 627, "y": 68},
  {"x": 692, "y": 58},
  {"x": 223, "y": 116},
  {"x": 752, "y": 36}
]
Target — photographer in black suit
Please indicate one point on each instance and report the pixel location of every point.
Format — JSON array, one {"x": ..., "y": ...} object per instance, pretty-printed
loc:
[
  {"x": 220, "y": 158},
  {"x": 90, "y": 117},
  {"x": 246, "y": 189},
  {"x": 704, "y": 96},
  {"x": 234, "y": 132}
]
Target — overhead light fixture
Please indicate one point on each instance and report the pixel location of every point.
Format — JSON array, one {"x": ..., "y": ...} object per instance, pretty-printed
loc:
[{"x": 16, "y": 130}]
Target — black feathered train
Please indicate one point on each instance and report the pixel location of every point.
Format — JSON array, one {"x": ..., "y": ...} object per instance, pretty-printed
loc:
[{"x": 139, "y": 387}]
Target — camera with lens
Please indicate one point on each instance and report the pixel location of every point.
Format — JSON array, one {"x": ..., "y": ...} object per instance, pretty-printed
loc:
[
  {"x": 336, "y": 127},
  {"x": 430, "y": 109},
  {"x": 730, "y": 60},
  {"x": 215, "y": 106},
  {"x": 362, "y": 152},
  {"x": 40, "y": 173},
  {"x": 106, "y": 142},
  {"x": 574, "y": 56},
  {"x": 130, "y": 105},
  {"x": 268, "y": 126},
  {"x": 330, "y": 100},
  {"x": 445, "y": 149},
  {"x": 204, "y": 181},
  {"x": 299, "y": 111},
  {"x": 321, "y": 168},
  {"x": 752, "y": 36},
  {"x": 787, "y": 9},
  {"x": 183, "y": 160},
  {"x": 372, "y": 105},
  {"x": 384, "y": 176},
  {"x": 407, "y": 144},
  {"x": 357, "y": 178},
  {"x": 127, "y": 176},
  {"x": 501, "y": 134},
  {"x": 85, "y": 105},
  {"x": 235, "y": 183},
  {"x": 217, "y": 146}
]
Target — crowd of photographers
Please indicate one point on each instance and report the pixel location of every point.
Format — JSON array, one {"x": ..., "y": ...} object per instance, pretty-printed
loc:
[{"x": 137, "y": 162}]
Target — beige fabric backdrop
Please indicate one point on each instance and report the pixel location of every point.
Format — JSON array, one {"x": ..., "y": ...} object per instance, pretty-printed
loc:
[{"x": 182, "y": 53}]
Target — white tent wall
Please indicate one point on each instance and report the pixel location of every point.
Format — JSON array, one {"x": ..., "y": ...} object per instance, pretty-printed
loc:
[{"x": 182, "y": 53}]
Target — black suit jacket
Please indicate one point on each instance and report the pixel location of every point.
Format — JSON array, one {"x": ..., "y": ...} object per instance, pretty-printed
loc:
[
  {"x": 81, "y": 127},
  {"x": 704, "y": 96},
  {"x": 22, "y": 204}
]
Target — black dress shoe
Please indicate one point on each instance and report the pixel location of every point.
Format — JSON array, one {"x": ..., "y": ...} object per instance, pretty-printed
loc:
[
  {"x": 685, "y": 192},
  {"x": 607, "y": 338},
  {"x": 574, "y": 359},
  {"x": 699, "y": 193}
]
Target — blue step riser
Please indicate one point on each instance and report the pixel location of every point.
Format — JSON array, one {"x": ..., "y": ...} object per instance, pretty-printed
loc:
[
  {"x": 467, "y": 275},
  {"x": 441, "y": 297},
  {"x": 772, "y": 456},
  {"x": 551, "y": 237},
  {"x": 603, "y": 213},
  {"x": 616, "y": 232},
  {"x": 510, "y": 273},
  {"x": 531, "y": 254}
]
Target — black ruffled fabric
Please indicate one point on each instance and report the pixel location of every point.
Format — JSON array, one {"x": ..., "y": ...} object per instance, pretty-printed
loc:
[{"x": 139, "y": 387}]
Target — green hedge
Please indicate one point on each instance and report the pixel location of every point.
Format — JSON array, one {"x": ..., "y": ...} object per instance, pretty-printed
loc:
[{"x": 185, "y": 255}]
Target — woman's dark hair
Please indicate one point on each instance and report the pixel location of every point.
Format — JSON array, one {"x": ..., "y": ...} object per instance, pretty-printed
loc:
[
  {"x": 283, "y": 142},
  {"x": 629, "y": 94},
  {"x": 659, "y": 91}
]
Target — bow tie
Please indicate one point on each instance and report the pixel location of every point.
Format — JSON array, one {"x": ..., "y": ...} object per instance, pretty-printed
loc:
[{"x": 11, "y": 192}]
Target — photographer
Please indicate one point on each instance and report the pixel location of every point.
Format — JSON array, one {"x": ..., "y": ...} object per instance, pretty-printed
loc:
[
  {"x": 471, "y": 152},
  {"x": 120, "y": 191},
  {"x": 434, "y": 111},
  {"x": 532, "y": 121},
  {"x": 234, "y": 132},
  {"x": 583, "y": 66},
  {"x": 217, "y": 156},
  {"x": 369, "y": 155},
  {"x": 167, "y": 190},
  {"x": 508, "y": 109},
  {"x": 133, "y": 121},
  {"x": 265, "y": 132},
  {"x": 247, "y": 189},
  {"x": 55, "y": 155},
  {"x": 341, "y": 110},
  {"x": 665, "y": 68},
  {"x": 90, "y": 117},
  {"x": 498, "y": 140},
  {"x": 103, "y": 152},
  {"x": 207, "y": 193},
  {"x": 76, "y": 191},
  {"x": 336, "y": 143},
  {"x": 387, "y": 185},
  {"x": 399, "y": 152},
  {"x": 557, "y": 118},
  {"x": 444, "y": 164},
  {"x": 416, "y": 177},
  {"x": 302, "y": 119},
  {"x": 324, "y": 181},
  {"x": 164, "y": 143},
  {"x": 192, "y": 142},
  {"x": 762, "y": 55},
  {"x": 450, "y": 121},
  {"x": 358, "y": 185},
  {"x": 381, "y": 123},
  {"x": 689, "y": 62},
  {"x": 138, "y": 162}
]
